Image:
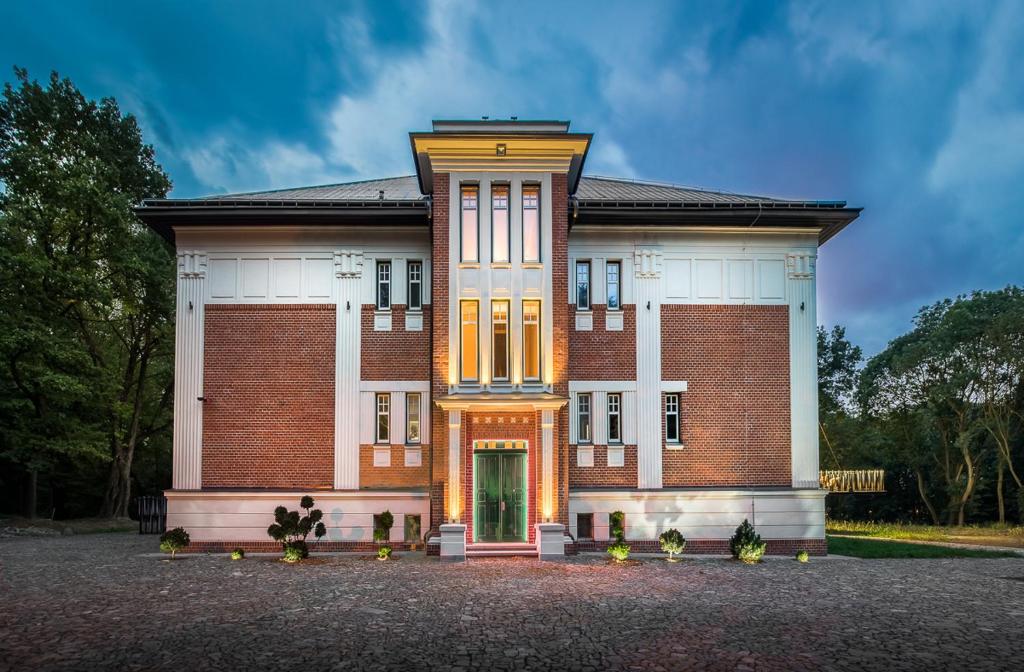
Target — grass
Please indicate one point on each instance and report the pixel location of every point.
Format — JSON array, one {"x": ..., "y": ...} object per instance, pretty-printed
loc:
[
  {"x": 77, "y": 525},
  {"x": 877, "y": 549},
  {"x": 984, "y": 535}
]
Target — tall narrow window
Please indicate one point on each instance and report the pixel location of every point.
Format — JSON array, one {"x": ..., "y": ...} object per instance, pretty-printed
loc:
[
  {"x": 470, "y": 341},
  {"x": 499, "y": 330},
  {"x": 499, "y": 223},
  {"x": 470, "y": 223},
  {"x": 615, "y": 418},
  {"x": 415, "y": 269},
  {"x": 531, "y": 223},
  {"x": 612, "y": 269},
  {"x": 384, "y": 285},
  {"x": 583, "y": 418},
  {"x": 582, "y": 285},
  {"x": 383, "y": 418},
  {"x": 412, "y": 417},
  {"x": 672, "y": 418},
  {"x": 531, "y": 340}
]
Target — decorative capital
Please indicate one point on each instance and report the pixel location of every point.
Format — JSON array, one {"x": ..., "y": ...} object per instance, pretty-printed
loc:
[
  {"x": 800, "y": 265},
  {"x": 191, "y": 264},
  {"x": 348, "y": 264},
  {"x": 647, "y": 262}
]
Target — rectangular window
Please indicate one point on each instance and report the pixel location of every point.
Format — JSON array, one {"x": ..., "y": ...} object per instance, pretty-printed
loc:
[
  {"x": 413, "y": 529},
  {"x": 415, "y": 269},
  {"x": 584, "y": 526},
  {"x": 531, "y": 223},
  {"x": 412, "y": 417},
  {"x": 615, "y": 418},
  {"x": 582, "y": 285},
  {"x": 470, "y": 344},
  {"x": 531, "y": 340},
  {"x": 499, "y": 330},
  {"x": 499, "y": 223},
  {"x": 383, "y": 285},
  {"x": 672, "y": 418},
  {"x": 612, "y": 269},
  {"x": 383, "y": 418},
  {"x": 583, "y": 418},
  {"x": 470, "y": 223}
]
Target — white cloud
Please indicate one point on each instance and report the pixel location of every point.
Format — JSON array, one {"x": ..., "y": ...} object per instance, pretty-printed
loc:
[
  {"x": 225, "y": 165},
  {"x": 607, "y": 157}
]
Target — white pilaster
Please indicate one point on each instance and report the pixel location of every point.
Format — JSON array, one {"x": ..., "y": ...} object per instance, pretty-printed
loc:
[
  {"x": 803, "y": 368},
  {"x": 348, "y": 270},
  {"x": 188, "y": 371},
  {"x": 547, "y": 425},
  {"x": 647, "y": 289},
  {"x": 454, "y": 466}
]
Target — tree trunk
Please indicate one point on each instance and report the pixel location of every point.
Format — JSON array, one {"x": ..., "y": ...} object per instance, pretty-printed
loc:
[
  {"x": 999, "y": 493},
  {"x": 924, "y": 497},
  {"x": 31, "y": 501}
]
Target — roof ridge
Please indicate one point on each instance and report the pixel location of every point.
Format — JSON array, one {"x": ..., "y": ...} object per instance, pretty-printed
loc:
[{"x": 308, "y": 186}]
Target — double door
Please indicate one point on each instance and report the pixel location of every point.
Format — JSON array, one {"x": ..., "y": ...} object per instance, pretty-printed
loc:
[{"x": 500, "y": 507}]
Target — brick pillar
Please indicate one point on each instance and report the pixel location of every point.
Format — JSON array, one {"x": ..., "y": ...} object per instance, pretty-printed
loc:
[
  {"x": 560, "y": 335},
  {"x": 439, "y": 344}
]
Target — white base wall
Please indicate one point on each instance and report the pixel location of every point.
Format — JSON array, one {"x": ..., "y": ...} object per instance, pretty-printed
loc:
[
  {"x": 704, "y": 513},
  {"x": 245, "y": 516}
]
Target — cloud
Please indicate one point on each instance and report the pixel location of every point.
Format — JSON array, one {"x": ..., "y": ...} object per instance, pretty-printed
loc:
[{"x": 607, "y": 157}]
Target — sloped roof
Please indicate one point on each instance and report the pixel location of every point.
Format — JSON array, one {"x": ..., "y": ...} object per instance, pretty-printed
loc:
[{"x": 404, "y": 188}]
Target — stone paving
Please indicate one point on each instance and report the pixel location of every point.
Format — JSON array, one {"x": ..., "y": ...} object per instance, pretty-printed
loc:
[{"x": 99, "y": 602}]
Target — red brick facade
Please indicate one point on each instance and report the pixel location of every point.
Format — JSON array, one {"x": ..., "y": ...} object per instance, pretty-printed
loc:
[
  {"x": 601, "y": 354},
  {"x": 601, "y": 475},
  {"x": 268, "y": 376},
  {"x": 396, "y": 476},
  {"x": 396, "y": 354}
]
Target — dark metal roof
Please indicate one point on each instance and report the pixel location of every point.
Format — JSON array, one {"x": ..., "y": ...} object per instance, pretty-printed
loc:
[{"x": 617, "y": 190}]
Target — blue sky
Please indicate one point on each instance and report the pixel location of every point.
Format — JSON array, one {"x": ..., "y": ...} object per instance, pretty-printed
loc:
[{"x": 913, "y": 110}]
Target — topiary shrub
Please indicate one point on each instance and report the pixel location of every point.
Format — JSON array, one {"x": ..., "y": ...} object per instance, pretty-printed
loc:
[
  {"x": 384, "y": 552},
  {"x": 291, "y": 528},
  {"x": 619, "y": 551},
  {"x": 746, "y": 544},
  {"x": 617, "y": 525},
  {"x": 380, "y": 535},
  {"x": 238, "y": 554},
  {"x": 673, "y": 543},
  {"x": 173, "y": 541},
  {"x": 802, "y": 556}
]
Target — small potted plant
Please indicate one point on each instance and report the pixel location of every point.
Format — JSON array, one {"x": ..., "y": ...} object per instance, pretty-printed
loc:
[
  {"x": 173, "y": 541},
  {"x": 746, "y": 545},
  {"x": 673, "y": 543},
  {"x": 384, "y": 552}
]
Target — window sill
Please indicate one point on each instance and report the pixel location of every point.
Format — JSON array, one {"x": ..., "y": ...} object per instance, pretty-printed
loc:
[
  {"x": 533, "y": 264},
  {"x": 469, "y": 264},
  {"x": 674, "y": 446},
  {"x": 501, "y": 264}
]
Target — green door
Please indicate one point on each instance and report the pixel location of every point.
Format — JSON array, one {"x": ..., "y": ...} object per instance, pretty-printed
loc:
[{"x": 500, "y": 509}]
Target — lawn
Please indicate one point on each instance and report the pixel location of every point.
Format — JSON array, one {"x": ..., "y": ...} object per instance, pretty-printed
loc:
[
  {"x": 877, "y": 549},
  {"x": 981, "y": 535}
]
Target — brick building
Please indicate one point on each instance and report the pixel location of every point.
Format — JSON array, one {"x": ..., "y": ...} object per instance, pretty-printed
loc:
[{"x": 499, "y": 351}]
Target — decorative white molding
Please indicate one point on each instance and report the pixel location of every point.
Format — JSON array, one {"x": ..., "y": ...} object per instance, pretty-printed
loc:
[
  {"x": 454, "y": 449},
  {"x": 348, "y": 264},
  {"x": 547, "y": 424},
  {"x": 192, "y": 264},
  {"x": 803, "y": 369},
  {"x": 800, "y": 265},
  {"x": 647, "y": 262},
  {"x": 584, "y": 321},
  {"x": 187, "y": 460},
  {"x": 648, "y": 378},
  {"x": 613, "y": 320}
]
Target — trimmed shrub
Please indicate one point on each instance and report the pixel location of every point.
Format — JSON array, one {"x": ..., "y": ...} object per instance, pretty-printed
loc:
[
  {"x": 291, "y": 528},
  {"x": 617, "y": 525},
  {"x": 294, "y": 553},
  {"x": 746, "y": 544},
  {"x": 384, "y": 552},
  {"x": 238, "y": 554},
  {"x": 173, "y": 541},
  {"x": 673, "y": 543},
  {"x": 802, "y": 556},
  {"x": 619, "y": 551},
  {"x": 380, "y": 535}
]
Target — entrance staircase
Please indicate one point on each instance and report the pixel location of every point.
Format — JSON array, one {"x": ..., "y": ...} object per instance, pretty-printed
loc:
[{"x": 496, "y": 550}]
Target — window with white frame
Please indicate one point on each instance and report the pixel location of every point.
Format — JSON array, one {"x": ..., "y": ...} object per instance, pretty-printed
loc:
[
  {"x": 672, "y": 418},
  {"x": 383, "y": 285},
  {"x": 613, "y": 274},
  {"x": 412, "y": 417},
  {"x": 499, "y": 223},
  {"x": 531, "y": 341},
  {"x": 470, "y": 228},
  {"x": 499, "y": 333},
  {"x": 531, "y": 223},
  {"x": 469, "y": 355},
  {"x": 383, "y": 434},
  {"x": 582, "y": 285},
  {"x": 614, "y": 418},
  {"x": 415, "y": 271},
  {"x": 583, "y": 418}
]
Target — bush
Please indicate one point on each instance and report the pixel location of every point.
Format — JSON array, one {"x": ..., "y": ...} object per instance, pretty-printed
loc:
[
  {"x": 380, "y": 535},
  {"x": 238, "y": 554},
  {"x": 746, "y": 544},
  {"x": 384, "y": 552},
  {"x": 294, "y": 553},
  {"x": 802, "y": 556},
  {"x": 673, "y": 543},
  {"x": 386, "y": 521},
  {"x": 617, "y": 525},
  {"x": 173, "y": 541},
  {"x": 291, "y": 529},
  {"x": 619, "y": 550}
]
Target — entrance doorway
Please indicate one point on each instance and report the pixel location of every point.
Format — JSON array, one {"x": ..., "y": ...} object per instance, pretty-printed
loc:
[{"x": 499, "y": 484}]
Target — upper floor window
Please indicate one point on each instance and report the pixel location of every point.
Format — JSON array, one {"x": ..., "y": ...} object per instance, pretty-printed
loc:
[
  {"x": 582, "y": 285},
  {"x": 499, "y": 223},
  {"x": 415, "y": 270},
  {"x": 383, "y": 434},
  {"x": 615, "y": 418},
  {"x": 470, "y": 223},
  {"x": 672, "y": 418},
  {"x": 412, "y": 417},
  {"x": 499, "y": 330},
  {"x": 470, "y": 345},
  {"x": 531, "y": 341},
  {"x": 612, "y": 273},
  {"x": 383, "y": 285},
  {"x": 531, "y": 223},
  {"x": 583, "y": 418}
]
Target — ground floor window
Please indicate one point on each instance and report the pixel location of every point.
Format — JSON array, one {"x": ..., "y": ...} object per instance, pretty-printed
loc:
[
  {"x": 412, "y": 528},
  {"x": 584, "y": 526}
]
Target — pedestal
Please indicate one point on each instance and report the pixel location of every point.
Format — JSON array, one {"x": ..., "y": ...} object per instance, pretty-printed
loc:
[
  {"x": 453, "y": 542},
  {"x": 551, "y": 541}
]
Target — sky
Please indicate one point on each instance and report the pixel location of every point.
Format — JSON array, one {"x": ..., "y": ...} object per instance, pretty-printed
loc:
[{"x": 912, "y": 110}]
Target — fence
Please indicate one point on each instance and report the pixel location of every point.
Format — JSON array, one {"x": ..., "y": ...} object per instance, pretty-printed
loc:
[
  {"x": 853, "y": 480},
  {"x": 152, "y": 515}
]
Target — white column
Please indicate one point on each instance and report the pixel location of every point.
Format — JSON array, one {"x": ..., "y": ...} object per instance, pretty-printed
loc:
[
  {"x": 348, "y": 271},
  {"x": 454, "y": 466},
  {"x": 547, "y": 425},
  {"x": 188, "y": 371},
  {"x": 803, "y": 368},
  {"x": 647, "y": 290}
]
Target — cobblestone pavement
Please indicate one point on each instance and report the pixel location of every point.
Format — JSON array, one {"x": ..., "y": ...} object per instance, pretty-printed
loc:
[{"x": 96, "y": 602}]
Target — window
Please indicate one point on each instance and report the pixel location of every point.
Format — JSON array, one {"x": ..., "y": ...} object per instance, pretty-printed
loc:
[
  {"x": 531, "y": 223},
  {"x": 412, "y": 527},
  {"x": 672, "y": 418},
  {"x": 412, "y": 417},
  {"x": 470, "y": 224},
  {"x": 612, "y": 269},
  {"x": 499, "y": 223},
  {"x": 499, "y": 330},
  {"x": 383, "y": 285},
  {"x": 383, "y": 418},
  {"x": 583, "y": 418},
  {"x": 415, "y": 269},
  {"x": 582, "y": 285},
  {"x": 531, "y": 340},
  {"x": 470, "y": 345},
  {"x": 615, "y": 418},
  {"x": 584, "y": 526}
]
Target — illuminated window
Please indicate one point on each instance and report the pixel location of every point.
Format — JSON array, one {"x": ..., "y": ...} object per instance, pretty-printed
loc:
[
  {"x": 499, "y": 330},
  {"x": 415, "y": 269},
  {"x": 582, "y": 285},
  {"x": 412, "y": 417},
  {"x": 470, "y": 346},
  {"x": 499, "y": 223},
  {"x": 470, "y": 224},
  {"x": 383, "y": 418},
  {"x": 614, "y": 418},
  {"x": 672, "y": 418},
  {"x": 531, "y": 340},
  {"x": 531, "y": 223},
  {"x": 583, "y": 418},
  {"x": 612, "y": 269},
  {"x": 384, "y": 285}
]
